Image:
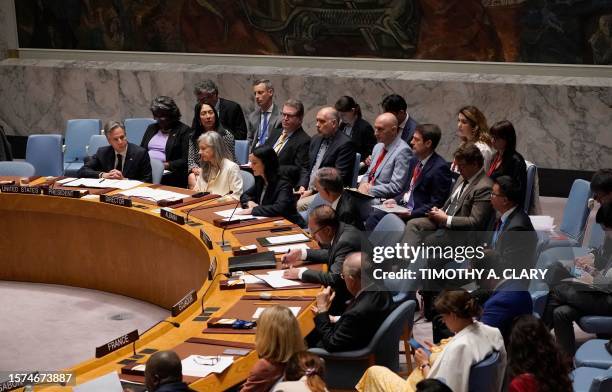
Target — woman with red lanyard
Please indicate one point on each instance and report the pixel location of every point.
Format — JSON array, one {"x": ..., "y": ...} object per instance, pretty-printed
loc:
[{"x": 507, "y": 161}]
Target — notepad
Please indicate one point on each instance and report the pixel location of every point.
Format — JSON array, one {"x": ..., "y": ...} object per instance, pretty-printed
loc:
[
  {"x": 280, "y": 249},
  {"x": 283, "y": 239},
  {"x": 396, "y": 209},
  {"x": 294, "y": 309},
  {"x": 203, "y": 365}
]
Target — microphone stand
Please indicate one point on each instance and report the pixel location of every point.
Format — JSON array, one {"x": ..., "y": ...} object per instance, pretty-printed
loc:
[
  {"x": 203, "y": 205},
  {"x": 227, "y": 247}
]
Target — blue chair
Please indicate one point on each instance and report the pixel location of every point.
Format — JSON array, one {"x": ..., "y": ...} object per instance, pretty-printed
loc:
[
  {"x": 16, "y": 168},
  {"x": 78, "y": 133},
  {"x": 575, "y": 216},
  {"x": 539, "y": 298},
  {"x": 388, "y": 231},
  {"x": 247, "y": 180},
  {"x": 344, "y": 369},
  {"x": 593, "y": 353},
  {"x": 44, "y": 152},
  {"x": 588, "y": 379},
  {"x": 242, "y": 151},
  {"x": 95, "y": 142},
  {"x": 157, "y": 170},
  {"x": 356, "y": 169},
  {"x": 532, "y": 173},
  {"x": 482, "y": 373},
  {"x": 135, "y": 128},
  {"x": 316, "y": 201},
  {"x": 599, "y": 325}
]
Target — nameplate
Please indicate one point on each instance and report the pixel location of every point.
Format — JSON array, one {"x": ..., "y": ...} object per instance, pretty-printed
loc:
[
  {"x": 168, "y": 203},
  {"x": 171, "y": 216},
  {"x": 72, "y": 193},
  {"x": 184, "y": 303},
  {"x": 206, "y": 239},
  {"x": 116, "y": 200},
  {"x": 116, "y": 344},
  {"x": 32, "y": 190}
]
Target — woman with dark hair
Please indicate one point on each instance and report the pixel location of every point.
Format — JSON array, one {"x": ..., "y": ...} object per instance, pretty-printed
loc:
[
  {"x": 168, "y": 140},
  {"x": 209, "y": 122},
  {"x": 354, "y": 126},
  {"x": 472, "y": 128},
  {"x": 453, "y": 358},
  {"x": 271, "y": 195},
  {"x": 535, "y": 361},
  {"x": 304, "y": 372},
  {"x": 507, "y": 161}
]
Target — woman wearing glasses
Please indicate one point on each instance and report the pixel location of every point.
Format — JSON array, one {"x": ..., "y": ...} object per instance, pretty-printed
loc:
[{"x": 218, "y": 174}]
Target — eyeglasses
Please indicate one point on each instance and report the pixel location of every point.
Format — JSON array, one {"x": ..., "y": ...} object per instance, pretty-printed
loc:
[
  {"x": 497, "y": 195},
  {"x": 312, "y": 233},
  {"x": 206, "y": 360},
  {"x": 290, "y": 115}
]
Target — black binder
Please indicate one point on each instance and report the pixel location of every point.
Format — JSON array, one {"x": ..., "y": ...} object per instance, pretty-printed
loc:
[{"x": 262, "y": 260}]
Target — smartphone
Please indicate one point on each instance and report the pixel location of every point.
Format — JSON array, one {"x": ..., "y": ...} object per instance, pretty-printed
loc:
[{"x": 416, "y": 345}]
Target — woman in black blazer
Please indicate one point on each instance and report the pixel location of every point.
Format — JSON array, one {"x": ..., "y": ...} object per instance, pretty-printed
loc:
[
  {"x": 507, "y": 161},
  {"x": 168, "y": 140},
  {"x": 354, "y": 126},
  {"x": 271, "y": 195}
]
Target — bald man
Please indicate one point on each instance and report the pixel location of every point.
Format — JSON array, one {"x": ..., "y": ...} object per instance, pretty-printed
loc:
[
  {"x": 164, "y": 373},
  {"x": 387, "y": 175},
  {"x": 329, "y": 148}
]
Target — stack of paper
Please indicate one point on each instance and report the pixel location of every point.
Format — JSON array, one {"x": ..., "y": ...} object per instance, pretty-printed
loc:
[
  {"x": 236, "y": 215},
  {"x": 294, "y": 309},
  {"x": 200, "y": 365},
  {"x": 280, "y": 249},
  {"x": 99, "y": 183},
  {"x": 397, "y": 209},
  {"x": 272, "y": 278},
  {"x": 287, "y": 239},
  {"x": 153, "y": 194}
]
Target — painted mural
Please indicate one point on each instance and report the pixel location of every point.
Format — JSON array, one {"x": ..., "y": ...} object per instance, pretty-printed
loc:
[{"x": 532, "y": 31}]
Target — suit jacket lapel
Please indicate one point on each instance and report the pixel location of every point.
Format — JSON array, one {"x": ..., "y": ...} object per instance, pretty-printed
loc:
[
  {"x": 428, "y": 165},
  {"x": 129, "y": 157},
  {"x": 170, "y": 142}
]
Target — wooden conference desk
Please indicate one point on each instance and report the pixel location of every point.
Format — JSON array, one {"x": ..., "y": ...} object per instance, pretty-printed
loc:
[{"x": 127, "y": 251}]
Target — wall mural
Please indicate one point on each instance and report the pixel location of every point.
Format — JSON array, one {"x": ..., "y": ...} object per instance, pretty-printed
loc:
[{"x": 532, "y": 31}]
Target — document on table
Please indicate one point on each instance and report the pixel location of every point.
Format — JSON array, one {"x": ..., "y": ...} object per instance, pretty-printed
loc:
[
  {"x": 280, "y": 249},
  {"x": 397, "y": 209},
  {"x": 277, "y": 281},
  {"x": 286, "y": 239},
  {"x": 107, "y": 383},
  {"x": 101, "y": 183},
  {"x": 153, "y": 194},
  {"x": 203, "y": 365},
  {"x": 294, "y": 309}
]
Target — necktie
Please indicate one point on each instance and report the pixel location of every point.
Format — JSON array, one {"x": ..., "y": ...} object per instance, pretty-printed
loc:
[
  {"x": 415, "y": 176},
  {"x": 378, "y": 162},
  {"x": 494, "y": 165},
  {"x": 498, "y": 228},
  {"x": 452, "y": 207},
  {"x": 119, "y": 162},
  {"x": 280, "y": 143},
  {"x": 264, "y": 129},
  {"x": 320, "y": 155}
]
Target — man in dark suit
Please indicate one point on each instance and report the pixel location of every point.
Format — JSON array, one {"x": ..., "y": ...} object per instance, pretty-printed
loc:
[
  {"x": 346, "y": 203},
  {"x": 430, "y": 178},
  {"x": 397, "y": 105},
  {"x": 291, "y": 143},
  {"x": 266, "y": 118},
  {"x": 163, "y": 373},
  {"x": 230, "y": 112},
  {"x": 329, "y": 148},
  {"x": 119, "y": 160},
  {"x": 365, "y": 313},
  {"x": 336, "y": 239}
]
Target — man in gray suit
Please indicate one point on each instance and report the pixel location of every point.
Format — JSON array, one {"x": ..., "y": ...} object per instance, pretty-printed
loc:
[
  {"x": 387, "y": 175},
  {"x": 468, "y": 209},
  {"x": 263, "y": 120}
]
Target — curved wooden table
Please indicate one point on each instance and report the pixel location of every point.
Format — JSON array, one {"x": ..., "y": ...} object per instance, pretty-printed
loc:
[{"x": 127, "y": 251}]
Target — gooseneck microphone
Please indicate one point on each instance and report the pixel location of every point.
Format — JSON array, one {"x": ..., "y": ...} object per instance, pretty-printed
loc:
[
  {"x": 222, "y": 243},
  {"x": 203, "y": 205}
]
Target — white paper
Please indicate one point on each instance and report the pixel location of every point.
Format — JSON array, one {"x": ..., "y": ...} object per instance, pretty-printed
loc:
[
  {"x": 287, "y": 238},
  {"x": 294, "y": 309},
  {"x": 91, "y": 197},
  {"x": 236, "y": 216},
  {"x": 397, "y": 209},
  {"x": 153, "y": 194},
  {"x": 277, "y": 281},
  {"x": 250, "y": 279},
  {"x": 280, "y": 272},
  {"x": 65, "y": 180},
  {"x": 192, "y": 368},
  {"x": 280, "y": 249},
  {"x": 107, "y": 383},
  {"x": 542, "y": 222},
  {"x": 102, "y": 183}
]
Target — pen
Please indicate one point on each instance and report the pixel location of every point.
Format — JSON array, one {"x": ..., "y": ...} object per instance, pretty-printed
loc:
[{"x": 101, "y": 181}]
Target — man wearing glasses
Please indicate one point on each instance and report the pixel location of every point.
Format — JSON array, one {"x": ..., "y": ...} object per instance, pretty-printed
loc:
[{"x": 291, "y": 143}]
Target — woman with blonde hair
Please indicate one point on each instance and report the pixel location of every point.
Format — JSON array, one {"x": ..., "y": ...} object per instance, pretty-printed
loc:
[
  {"x": 452, "y": 359},
  {"x": 304, "y": 373},
  {"x": 218, "y": 174},
  {"x": 472, "y": 128},
  {"x": 277, "y": 339}
]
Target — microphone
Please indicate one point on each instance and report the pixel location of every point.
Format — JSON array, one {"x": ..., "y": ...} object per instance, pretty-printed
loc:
[
  {"x": 201, "y": 206},
  {"x": 173, "y": 323},
  {"x": 222, "y": 244},
  {"x": 226, "y": 274}
]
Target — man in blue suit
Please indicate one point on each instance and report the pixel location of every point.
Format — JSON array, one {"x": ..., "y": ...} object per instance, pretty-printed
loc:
[
  {"x": 388, "y": 171},
  {"x": 396, "y": 104},
  {"x": 429, "y": 178}
]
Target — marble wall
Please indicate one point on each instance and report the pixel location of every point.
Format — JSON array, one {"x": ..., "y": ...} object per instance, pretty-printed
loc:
[{"x": 562, "y": 122}]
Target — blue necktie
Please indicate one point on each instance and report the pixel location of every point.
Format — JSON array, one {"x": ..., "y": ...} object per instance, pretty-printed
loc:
[
  {"x": 264, "y": 129},
  {"x": 498, "y": 230}
]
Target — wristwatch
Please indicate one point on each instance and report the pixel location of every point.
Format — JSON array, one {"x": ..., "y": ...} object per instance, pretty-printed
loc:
[{"x": 423, "y": 366}]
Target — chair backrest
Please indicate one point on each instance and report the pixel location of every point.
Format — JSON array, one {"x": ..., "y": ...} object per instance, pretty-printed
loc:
[
  {"x": 157, "y": 170},
  {"x": 44, "y": 152},
  {"x": 576, "y": 210},
  {"x": 241, "y": 149},
  {"x": 16, "y": 168},
  {"x": 388, "y": 231},
  {"x": 603, "y": 382},
  {"x": 356, "y": 169},
  {"x": 485, "y": 372},
  {"x": 596, "y": 239},
  {"x": 95, "y": 142},
  {"x": 385, "y": 343},
  {"x": 532, "y": 172},
  {"x": 247, "y": 180},
  {"x": 135, "y": 128},
  {"x": 78, "y": 133}
]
